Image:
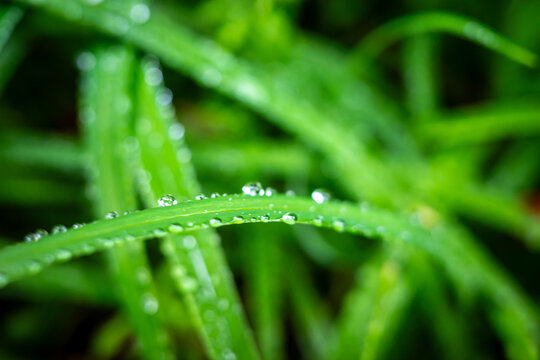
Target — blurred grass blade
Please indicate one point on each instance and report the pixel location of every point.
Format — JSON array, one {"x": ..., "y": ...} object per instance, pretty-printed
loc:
[
  {"x": 10, "y": 56},
  {"x": 196, "y": 258},
  {"x": 46, "y": 150},
  {"x": 483, "y": 125},
  {"x": 373, "y": 308},
  {"x": 311, "y": 317},
  {"x": 105, "y": 114},
  {"x": 265, "y": 289},
  {"x": 9, "y": 17},
  {"x": 384, "y": 36},
  {"x": 519, "y": 168},
  {"x": 420, "y": 75}
]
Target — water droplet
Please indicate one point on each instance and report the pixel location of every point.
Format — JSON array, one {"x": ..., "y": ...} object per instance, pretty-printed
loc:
[
  {"x": 238, "y": 220},
  {"x": 228, "y": 355},
  {"x": 253, "y": 189},
  {"x": 289, "y": 218},
  {"x": 175, "y": 228},
  {"x": 150, "y": 304},
  {"x": 164, "y": 97},
  {"x": 167, "y": 200},
  {"x": 188, "y": 284},
  {"x": 183, "y": 155},
  {"x": 200, "y": 197},
  {"x": 159, "y": 232},
  {"x": 41, "y": 233},
  {"x": 318, "y": 221},
  {"x": 189, "y": 242},
  {"x": 62, "y": 255},
  {"x": 153, "y": 76},
  {"x": 338, "y": 225},
  {"x": 215, "y": 195},
  {"x": 31, "y": 237},
  {"x": 142, "y": 276},
  {"x": 176, "y": 131},
  {"x": 111, "y": 215},
  {"x": 59, "y": 229},
  {"x": 320, "y": 196},
  {"x": 270, "y": 191},
  {"x": 223, "y": 304},
  {"x": 215, "y": 222},
  {"x": 290, "y": 193},
  {"x": 77, "y": 226},
  {"x": 85, "y": 61},
  {"x": 139, "y": 13},
  {"x": 265, "y": 218},
  {"x": 33, "y": 267}
]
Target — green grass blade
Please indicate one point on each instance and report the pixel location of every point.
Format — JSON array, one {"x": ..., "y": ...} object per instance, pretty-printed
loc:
[
  {"x": 310, "y": 316},
  {"x": 373, "y": 308},
  {"x": 106, "y": 123},
  {"x": 484, "y": 125},
  {"x": 9, "y": 17},
  {"x": 464, "y": 261},
  {"x": 381, "y": 38},
  {"x": 213, "y": 304},
  {"x": 265, "y": 290},
  {"x": 515, "y": 176},
  {"x": 420, "y": 76}
]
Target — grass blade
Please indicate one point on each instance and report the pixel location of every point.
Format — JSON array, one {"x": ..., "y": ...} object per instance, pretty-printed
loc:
[
  {"x": 384, "y": 36},
  {"x": 196, "y": 258},
  {"x": 106, "y": 125},
  {"x": 463, "y": 260}
]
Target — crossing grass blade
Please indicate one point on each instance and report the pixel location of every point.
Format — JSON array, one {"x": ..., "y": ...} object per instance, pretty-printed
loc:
[
  {"x": 195, "y": 258},
  {"x": 106, "y": 126}
]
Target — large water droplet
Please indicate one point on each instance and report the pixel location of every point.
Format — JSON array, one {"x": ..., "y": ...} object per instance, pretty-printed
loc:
[
  {"x": 167, "y": 200},
  {"x": 215, "y": 222},
  {"x": 320, "y": 196},
  {"x": 270, "y": 191},
  {"x": 150, "y": 304},
  {"x": 253, "y": 189},
  {"x": 139, "y": 13},
  {"x": 111, "y": 215},
  {"x": 289, "y": 218},
  {"x": 176, "y": 131},
  {"x": 85, "y": 61},
  {"x": 189, "y": 242}
]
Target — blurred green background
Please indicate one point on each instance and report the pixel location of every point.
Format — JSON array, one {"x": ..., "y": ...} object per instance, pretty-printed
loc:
[{"x": 426, "y": 108}]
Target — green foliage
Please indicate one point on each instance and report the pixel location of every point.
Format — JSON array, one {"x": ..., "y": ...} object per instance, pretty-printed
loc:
[{"x": 435, "y": 242}]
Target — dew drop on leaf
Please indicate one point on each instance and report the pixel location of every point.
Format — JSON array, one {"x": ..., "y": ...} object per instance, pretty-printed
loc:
[
  {"x": 289, "y": 218},
  {"x": 139, "y": 13},
  {"x": 111, "y": 215},
  {"x": 253, "y": 189},
  {"x": 175, "y": 228},
  {"x": 320, "y": 196},
  {"x": 238, "y": 220},
  {"x": 150, "y": 304},
  {"x": 59, "y": 229},
  {"x": 167, "y": 200},
  {"x": 338, "y": 225},
  {"x": 215, "y": 222}
]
